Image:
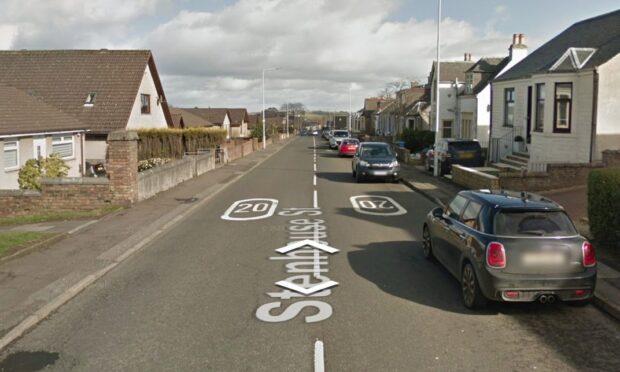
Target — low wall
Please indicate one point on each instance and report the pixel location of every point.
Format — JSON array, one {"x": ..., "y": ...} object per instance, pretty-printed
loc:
[
  {"x": 58, "y": 194},
  {"x": 470, "y": 178},
  {"x": 611, "y": 158},
  {"x": 404, "y": 155},
  {"x": 247, "y": 148},
  {"x": 557, "y": 176},
  {"x": 164, "y": 177}
]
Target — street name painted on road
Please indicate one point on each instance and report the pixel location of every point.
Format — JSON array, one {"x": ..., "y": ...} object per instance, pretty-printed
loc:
[
  {"x": 377, "y": 205},
  {"x": 251, "y": 209}
]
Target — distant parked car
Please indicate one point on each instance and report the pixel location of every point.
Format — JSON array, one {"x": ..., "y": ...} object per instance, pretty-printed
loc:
[
  {"x": 454, "y": 151},
  {"x": 375, "y": 160},
  {"x": 348, "y": 147},
  {"x": 508, "y": 246},
  {"x": 337, "y": 137}
]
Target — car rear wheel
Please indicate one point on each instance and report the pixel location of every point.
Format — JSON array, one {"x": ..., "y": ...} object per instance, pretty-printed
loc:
[
  {"x": 472, "y": 295},
  {"x": 427, "y": 244}
]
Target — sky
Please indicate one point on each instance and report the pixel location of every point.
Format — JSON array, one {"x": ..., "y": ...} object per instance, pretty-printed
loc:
[{"x": 211, "y": 53}]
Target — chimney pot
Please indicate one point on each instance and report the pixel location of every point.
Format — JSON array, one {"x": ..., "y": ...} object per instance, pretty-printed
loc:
[
  {"x": 514, "y": 39},
  {"x": 465, "y": 57}
]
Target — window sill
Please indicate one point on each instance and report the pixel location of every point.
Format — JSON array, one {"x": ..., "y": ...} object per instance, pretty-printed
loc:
[{"x": 12, "y": 169}]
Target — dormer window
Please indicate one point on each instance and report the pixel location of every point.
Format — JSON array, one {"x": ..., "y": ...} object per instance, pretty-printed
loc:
[
  {"x": 469, "y": 83},
  {"x": 90, "y": 99},
  {"x": 573, "y": 59}
]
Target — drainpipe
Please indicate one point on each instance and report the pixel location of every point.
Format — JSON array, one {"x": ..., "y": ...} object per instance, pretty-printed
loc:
[
  {"x": 594, "y": 112},
  {"x": 456, "y": 107},
  {"x": 490, "y": 143}
]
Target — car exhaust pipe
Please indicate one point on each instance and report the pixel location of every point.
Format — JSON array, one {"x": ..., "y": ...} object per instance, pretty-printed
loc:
[
  {"x": 543, "y": 299},
  {"x": 550, "y": 299}
]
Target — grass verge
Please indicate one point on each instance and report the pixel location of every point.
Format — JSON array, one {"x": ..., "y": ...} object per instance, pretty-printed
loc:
[
  {"x": 57, "y": 216},
  {"x": 13, "y": 241}
]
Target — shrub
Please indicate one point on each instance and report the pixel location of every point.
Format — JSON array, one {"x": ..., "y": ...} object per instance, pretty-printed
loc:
[
  {"x": 30, "y": 174},
  {"x": 416, "y": 140},
  {"x": 151, "y": 163},
  {"x": 174, "y": 143},
  {"x": 257, "y": 132},
  {"x": 604, "y": 207}
]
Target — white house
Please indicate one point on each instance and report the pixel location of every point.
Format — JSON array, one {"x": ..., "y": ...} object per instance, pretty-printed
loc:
[
  {"x": 105, "y": 90},
  {"x": 31, "y": 128},
  {"x": 239, "y": 122},
  {"x": 474, "y": 103},
  {"x": 562, "y": 99}
]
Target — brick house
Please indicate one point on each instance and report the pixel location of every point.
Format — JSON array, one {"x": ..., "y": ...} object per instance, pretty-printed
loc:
[
  {"x": 105, "y": 90},
  {"x": 562, "y": 100}
]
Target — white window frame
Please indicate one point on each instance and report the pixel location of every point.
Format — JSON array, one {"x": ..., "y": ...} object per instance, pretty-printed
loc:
[
  {"x": 10, "y": 148},
  {"x": 63, "y": 141}
]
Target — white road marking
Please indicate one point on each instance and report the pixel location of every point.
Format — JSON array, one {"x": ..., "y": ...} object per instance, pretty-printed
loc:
[
  {"x": 305, "y": 242},
  {"x": 306, "y": 291},
  {"x": 377, "y": 205},
  {"x": 319, "y": 356},
  {"x": 315, "y": 167},
  {"x": 258, "y": 205},
  {"x": 314, "y": 180},
  {"x": 315, "y": 202},
  {"x": 73, "y": 231}
]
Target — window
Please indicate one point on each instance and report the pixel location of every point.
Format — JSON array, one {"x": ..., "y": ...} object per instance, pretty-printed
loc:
[
  {"x": 11, "y": 156},
  {"x": 509, "y": 107},
  {"x": 533, "y": 223},
  {"x": 456, "y": 207},
  {"x": 469, "y": 83},
  {"x": 447, "y": 129},
  {"x": 63, "y": 145},
  {"x": 90, "y": 100},
  {"x": 540, "y": 108},
  {"x": 470, "y": 215},
  {"x": 562, "y": 107},
  {"x": 145, "y": 103}
]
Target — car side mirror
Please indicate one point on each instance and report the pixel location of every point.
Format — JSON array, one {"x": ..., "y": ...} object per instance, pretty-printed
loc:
[{"x": 438, "y": 213}]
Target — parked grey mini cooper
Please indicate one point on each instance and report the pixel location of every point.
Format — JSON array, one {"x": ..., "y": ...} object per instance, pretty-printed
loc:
[{"x": 509, "y": 246}]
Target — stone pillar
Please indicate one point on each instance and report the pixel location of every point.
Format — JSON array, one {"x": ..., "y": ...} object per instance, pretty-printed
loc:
[{"x": 122, "y": 166}]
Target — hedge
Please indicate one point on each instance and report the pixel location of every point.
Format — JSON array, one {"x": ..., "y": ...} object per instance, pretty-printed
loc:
[
  {"x": 604, "y": 207},
  {"x": 174, "y": 143},
  {"x": 416, "y": 140}
]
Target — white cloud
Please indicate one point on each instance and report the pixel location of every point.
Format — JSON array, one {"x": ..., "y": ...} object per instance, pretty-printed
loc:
[{"x": 216, "y": 58}]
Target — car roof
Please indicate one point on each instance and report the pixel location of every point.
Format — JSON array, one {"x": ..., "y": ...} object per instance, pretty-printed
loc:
[
  {"x": 375, "y": 143},
  {"x": 506, "y": 199}
]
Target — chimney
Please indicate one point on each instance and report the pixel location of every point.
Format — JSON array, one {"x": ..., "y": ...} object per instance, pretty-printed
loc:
[
  {"x": 469, "y": 57},
  {"x": 465, "y": 57},
  {"x": 517, "y": 50}
]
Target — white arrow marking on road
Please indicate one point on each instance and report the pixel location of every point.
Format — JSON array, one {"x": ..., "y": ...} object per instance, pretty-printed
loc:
[
  {"x": 307, "y": 242},
  {"x": 304, "y": 290}
]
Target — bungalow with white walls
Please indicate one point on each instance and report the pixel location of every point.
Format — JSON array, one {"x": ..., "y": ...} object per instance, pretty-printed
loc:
[
  {"x": 217, "y": 116},
  {"x": 474, "y": 103},
  {"x": 563, "y": 99},
  {"x": 31, "y": 128},
  {"x": 452, "y": 84},
  {"x": 105, "y": 90},
  {"x": 239, "y": 122}
]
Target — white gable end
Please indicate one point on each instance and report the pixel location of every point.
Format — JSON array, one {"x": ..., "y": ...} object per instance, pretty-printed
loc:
[{"x": 156, "y": 118}]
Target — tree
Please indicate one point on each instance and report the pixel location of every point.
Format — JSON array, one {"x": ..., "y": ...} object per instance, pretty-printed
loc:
[
  {"x": 297, "y": 107},
  {"x": 394, "y": 86}
]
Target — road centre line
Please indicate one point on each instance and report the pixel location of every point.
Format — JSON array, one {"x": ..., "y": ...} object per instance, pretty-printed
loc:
[
  {"x": 315, "y": 201},
  {"x": 314, "y": 180},
  {"x": 319, "y": 356},
  {"x": 315, "y": 167}
]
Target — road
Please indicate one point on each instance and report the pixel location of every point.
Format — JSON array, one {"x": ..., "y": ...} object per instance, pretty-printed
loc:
[{"x": 204, "y": 297}]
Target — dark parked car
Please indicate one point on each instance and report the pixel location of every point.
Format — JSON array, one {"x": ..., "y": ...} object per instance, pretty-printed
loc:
[
  {"x": 375, "y": 160},
  {"x": 508, "y": 246},
  {"x": 455, "y": 151}
]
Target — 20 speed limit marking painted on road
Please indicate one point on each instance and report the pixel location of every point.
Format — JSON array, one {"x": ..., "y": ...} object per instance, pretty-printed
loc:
[
  {"x": 377, "y": 205},
  {"x": 250, "y": 209}
]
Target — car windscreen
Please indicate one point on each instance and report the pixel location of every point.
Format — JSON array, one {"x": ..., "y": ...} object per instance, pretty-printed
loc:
[
  {"x": 464, "y": 146},
  {"x": 533, "y": 223},
  {"x": 341, "y": 133},
  {"x": 376, "y": 151}
]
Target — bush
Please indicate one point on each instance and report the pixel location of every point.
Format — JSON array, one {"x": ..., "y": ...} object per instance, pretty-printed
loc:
[
  {"x": 151, "y": 163},
  {"x": 257, "y": 132},
  {"x": 174, "y": 143},
  {"x": 30, "y": 174},
  {"x": 416, "y": 140},
  {"x": 604, "y": 207}
]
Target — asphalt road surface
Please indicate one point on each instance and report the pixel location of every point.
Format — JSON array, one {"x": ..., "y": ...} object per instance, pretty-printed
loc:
[{"x": 204, "y": 297}]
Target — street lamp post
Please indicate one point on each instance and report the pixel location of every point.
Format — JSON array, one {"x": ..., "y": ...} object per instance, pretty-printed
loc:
[
  {"x": 287, "y": 119},
  {"x": 264, "y": 121},
  {"x": 350, "y": 110},
  {"x": 436, "y": 171}
]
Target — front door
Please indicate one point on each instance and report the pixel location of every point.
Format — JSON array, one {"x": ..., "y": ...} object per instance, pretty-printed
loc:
[
  {"x": 468, "y": 130},
  {"x": 529, "y": 115},
  {"x": 39, "y": 147}
]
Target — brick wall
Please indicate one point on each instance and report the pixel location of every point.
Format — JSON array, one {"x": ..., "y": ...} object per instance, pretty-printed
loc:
[
  {"x": 122, "y": 166},
  {"x": 611, "y": 158},
  {"x": 471, "y": 178},
  {"x": 558, "y": 176}
]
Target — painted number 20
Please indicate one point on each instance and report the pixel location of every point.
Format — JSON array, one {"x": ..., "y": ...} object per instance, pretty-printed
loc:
[
  {"x": 250, "y": 209},
  {"x": 247, "y": 207},
  {"x": 371, "y": 204}
]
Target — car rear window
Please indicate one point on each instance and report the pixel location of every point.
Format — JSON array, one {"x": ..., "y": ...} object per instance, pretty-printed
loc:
[
  {"x": 350, "y": 142},
  {"x": 464, "y": 146},
  {"x": 341, "y": 133},
  {"x": 533, "y": 223}
]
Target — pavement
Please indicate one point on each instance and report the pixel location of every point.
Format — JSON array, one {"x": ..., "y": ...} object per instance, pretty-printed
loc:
[
  {"x": 574, "y": 200},
  {"x": 225, "y": 285}
]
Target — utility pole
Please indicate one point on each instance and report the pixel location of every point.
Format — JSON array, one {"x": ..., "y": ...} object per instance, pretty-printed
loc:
[
  {"x": 264, "y": 121},
  {"x": 287, "y": 119},
  {"x": 436, "y": 171}
]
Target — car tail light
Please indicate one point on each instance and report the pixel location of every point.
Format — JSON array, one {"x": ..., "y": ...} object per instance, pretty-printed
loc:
[
  {"x": 589, "y": 257},
  {"x": 512, "y": 294},
  {"x": 581, "y": 292},
  {"x": 496, "y": 255}
]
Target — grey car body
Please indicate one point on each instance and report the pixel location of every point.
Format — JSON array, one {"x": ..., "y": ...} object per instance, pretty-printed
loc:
[
  {"x": 337, "y": 137},
  {"x": 375, "y": 160},
  {"x": 543, "y": 253}
]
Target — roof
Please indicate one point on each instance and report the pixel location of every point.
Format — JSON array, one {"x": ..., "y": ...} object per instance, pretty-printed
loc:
[
  {"x": 213, "y": 115},
  {"x": 64, "y": 78},
  {"x": 189, "y": 119},
  {"x": 601, "y": 33},
  {"x": 485, "y": 70},
  {"x": 21, "y": 113},
  {"x": 371, "y": 104},
  {"x": 451, "y": 71},
  {"x": 512, "y": 199},
  {"x": 253, "y": 120},
  {"x": 237, "y": 116}
]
